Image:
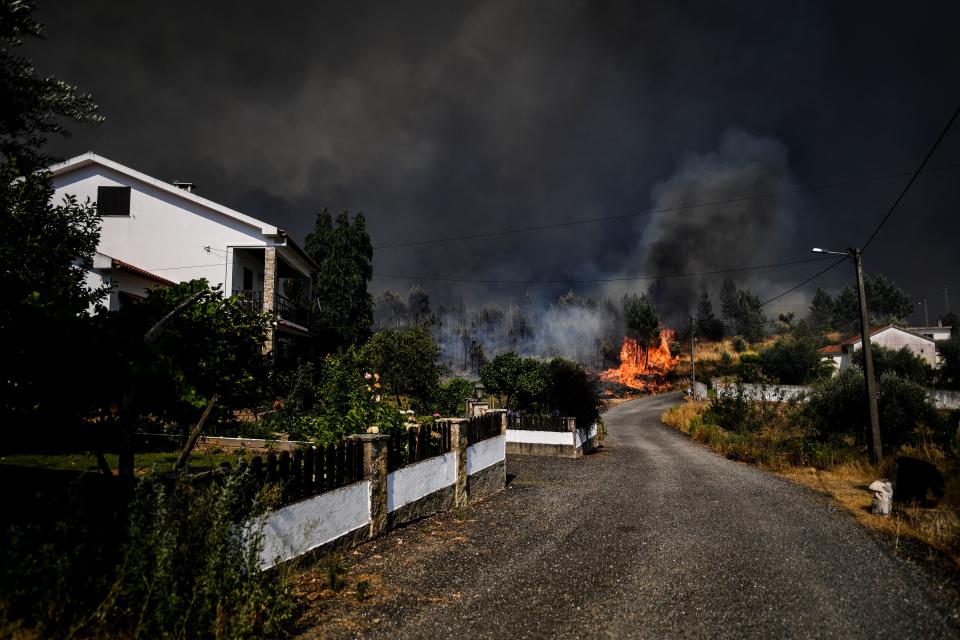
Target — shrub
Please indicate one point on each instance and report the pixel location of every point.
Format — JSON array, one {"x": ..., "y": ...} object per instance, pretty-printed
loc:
[
  {"x": 451, "y": 399},
  {"x": 739, "y": 344},
  {"x": 793, "y": 361},
  {"x": 837, "y": 407},
  {"x": 185, "y": 567},
  {"x": 735, "y": 411},
  {"x": 903, "y": 362}
]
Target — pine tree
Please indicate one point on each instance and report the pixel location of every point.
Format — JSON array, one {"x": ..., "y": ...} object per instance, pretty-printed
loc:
[{"x": 342, "y": 306}]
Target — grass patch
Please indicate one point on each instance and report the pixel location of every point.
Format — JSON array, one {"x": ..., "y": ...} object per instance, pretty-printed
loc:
[
  {"x": 146, "y": 463},
  {"x": 837, "y": 468}
]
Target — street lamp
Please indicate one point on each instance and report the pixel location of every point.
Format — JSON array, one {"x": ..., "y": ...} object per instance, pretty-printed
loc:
[{"x": 870, "y": 383}]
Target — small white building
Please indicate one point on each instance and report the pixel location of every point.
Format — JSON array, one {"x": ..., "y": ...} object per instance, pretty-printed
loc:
[
  {"x": 889, "y": 336},
  {"x": 155, "y": 233},
  {"x": 937, "y": 333}
]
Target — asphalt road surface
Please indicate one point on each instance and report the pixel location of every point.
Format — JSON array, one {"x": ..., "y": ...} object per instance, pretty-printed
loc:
[{"x": 653, "y": 536}]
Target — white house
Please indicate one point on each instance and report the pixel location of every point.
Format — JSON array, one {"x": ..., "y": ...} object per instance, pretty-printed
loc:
[
  {"x": 155, "y": 233},
  {"x": 936, "y": 333},
  {"x": 889, "y": 336}
]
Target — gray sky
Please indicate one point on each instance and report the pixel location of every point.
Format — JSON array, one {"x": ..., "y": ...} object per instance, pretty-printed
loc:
[{"x": 450, "y": 118}]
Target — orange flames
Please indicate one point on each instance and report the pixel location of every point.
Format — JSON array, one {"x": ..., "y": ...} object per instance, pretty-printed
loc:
[{"x": 643, "y": 369}]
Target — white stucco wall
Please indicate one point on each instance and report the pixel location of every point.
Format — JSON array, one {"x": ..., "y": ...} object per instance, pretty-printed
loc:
[
  {"x": 896, "y": 339},
  {"x": 163, "y": 234},
  {"x": 486, "y": 453},
  {"x": 419, "y": 480},
  {"x": 295, "y": 529},
  {"x": 582, "y": 435},
  {"x": 541, "y": 437}
]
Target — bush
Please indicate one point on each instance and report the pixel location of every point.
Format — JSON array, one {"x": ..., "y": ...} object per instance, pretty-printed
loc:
[
  {"x": 837, "y": 407},
  {"x": 183, "y": 568},
  {"x": 793, "y": 361},
  {"x": 571, "y": 391},
  {"x": 739, "y": 344},
  {"x": 735, "y": 411},
  {"x": 451, "y": 399},
  {"x": 903, "y": 362}
]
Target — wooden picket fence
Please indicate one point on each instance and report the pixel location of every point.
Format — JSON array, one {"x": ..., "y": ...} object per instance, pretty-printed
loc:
[
  {"x": 536, "y": 423},
  {"x": 483, "y": 427},
  {"x": 311, "y": 470},
  {"x": 418, "y": 443}
]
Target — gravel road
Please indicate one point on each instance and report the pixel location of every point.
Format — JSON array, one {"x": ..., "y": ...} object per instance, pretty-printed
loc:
[{"x": 653, "y": 536}]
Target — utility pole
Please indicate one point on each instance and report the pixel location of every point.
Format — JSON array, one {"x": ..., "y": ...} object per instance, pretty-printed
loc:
[
  {"x": 926, "y": 316},
  {"x": 693, "y": 363},
  {"x": 873, "y": 432}
]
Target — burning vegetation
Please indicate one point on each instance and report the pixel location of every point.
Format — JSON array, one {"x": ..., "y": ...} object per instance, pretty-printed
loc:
[{"x": 643, "y": 369}]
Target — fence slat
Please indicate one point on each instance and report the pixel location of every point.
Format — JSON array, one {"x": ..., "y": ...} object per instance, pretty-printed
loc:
[{"x": 272, "y": 475}]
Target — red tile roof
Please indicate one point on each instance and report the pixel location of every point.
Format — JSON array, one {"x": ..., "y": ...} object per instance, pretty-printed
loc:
[{"x": 126, "y": 266}]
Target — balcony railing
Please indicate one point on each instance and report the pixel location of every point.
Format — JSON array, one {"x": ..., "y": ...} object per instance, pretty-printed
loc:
[
  {"x": 286, "y": 308},
  {"x": 252, "y": 300},
  {"x": 292, "y": 312}
]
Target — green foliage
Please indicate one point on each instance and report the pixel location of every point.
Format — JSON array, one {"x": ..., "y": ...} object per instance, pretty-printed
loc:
[
  {"x": 749, "y": 370},
  {"x": 739, "y": 344},
  {"x": 571, "y": 391},
  {"x": 949, "y": 374},
  {"x": 708, "y": 325},
  {"x": 363, "y": 590},
  {"x": 749, "y": 320},
  {"x": 821, "y": 309},
  {"x": 531, "y": 385},
  {"x": 643, "y": 322},
  {"x": 342, "y": 307},
  {"x": 347, "y": 398},
  {"x": 519, "y": 380},
  {"x": 184, "y": 567},
  {"x": 213, "y": 346},
  {"x": 34, "y": 106},
  {"x": 793, "y": 361},
  {"x": 335, "y": 572},
  {"x": 451, "y": 399},
  {"x": 903, "y": 362},
  {"x": 886, "y": 303},
  {"x": 837, "y": 407},
  {"x": 44, "y": 246},
  {"x": 736, "y": 412},
  {"x": 407, "y": 363}
]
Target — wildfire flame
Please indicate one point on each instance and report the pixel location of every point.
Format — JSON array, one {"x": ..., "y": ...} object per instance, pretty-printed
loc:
[{"x": 643, "y": 369}]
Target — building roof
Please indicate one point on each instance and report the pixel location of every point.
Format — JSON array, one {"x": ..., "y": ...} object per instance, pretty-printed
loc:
[
  {"x": 91, "y": 158},
  {"x": 838, "y": 348},
  {"x": 126, "y": 266}
]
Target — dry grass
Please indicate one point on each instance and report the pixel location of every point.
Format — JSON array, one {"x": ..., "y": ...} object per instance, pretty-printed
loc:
[{"x": 846, "y": 482}]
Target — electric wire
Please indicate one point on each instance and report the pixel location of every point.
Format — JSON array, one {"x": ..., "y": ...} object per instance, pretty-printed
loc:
[
  {"x": 698, "y": 205},
  {"x": 594, "y": 280},
  {"x": 913, "y": 178}
]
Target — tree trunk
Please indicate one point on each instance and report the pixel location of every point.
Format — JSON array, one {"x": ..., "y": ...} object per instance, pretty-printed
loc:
[{"x": 195, "y": 434}]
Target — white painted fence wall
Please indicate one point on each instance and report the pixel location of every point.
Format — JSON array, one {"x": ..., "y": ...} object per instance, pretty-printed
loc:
[
  {"x": 583, "y": 435},
  {"x": 766, "y": 393},
  {"x": 409, "y": 484},
  {"x": 486, "y": 453},
  {"x": 563, "y": 438},
  {"x": 296, "y": 529}
]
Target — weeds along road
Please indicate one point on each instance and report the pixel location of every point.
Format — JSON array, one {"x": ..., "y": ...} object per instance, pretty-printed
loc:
[{"x": 651, "y": 537}]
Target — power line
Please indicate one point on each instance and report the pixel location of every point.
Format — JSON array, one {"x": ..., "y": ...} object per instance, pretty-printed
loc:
[
  {"x": 622, "y": 279},
  {"x": 890, "y": 211},
  {"x": 800, "y": 284},
  {"x": 699, "y": 205},
  {"x": 913, "y": 177}
]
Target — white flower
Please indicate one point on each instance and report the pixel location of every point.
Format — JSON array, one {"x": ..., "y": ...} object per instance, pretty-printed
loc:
[
  {"x": 377, "y": 398},
  {"x": 367, "y": 376}
]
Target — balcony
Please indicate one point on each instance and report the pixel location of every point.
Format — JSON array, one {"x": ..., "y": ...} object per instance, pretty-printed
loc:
[{"x": 285, "y": 308}]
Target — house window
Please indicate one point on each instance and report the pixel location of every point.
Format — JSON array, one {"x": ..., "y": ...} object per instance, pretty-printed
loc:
[{"x": 113, "y": 201}]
